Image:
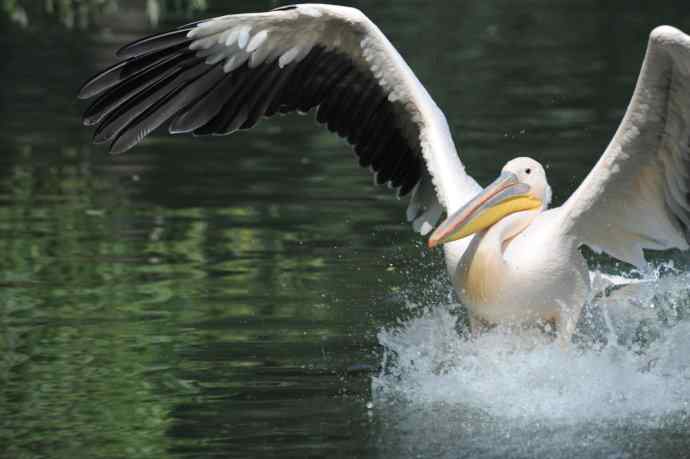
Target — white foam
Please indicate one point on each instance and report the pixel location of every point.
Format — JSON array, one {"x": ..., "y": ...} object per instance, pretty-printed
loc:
[{"x": 644, "y": 374}]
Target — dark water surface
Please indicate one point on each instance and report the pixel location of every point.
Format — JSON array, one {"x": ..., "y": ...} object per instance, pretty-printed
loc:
[{"x": 222, "y": 297}]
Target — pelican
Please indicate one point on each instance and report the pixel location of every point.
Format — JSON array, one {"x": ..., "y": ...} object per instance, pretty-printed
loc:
[{"x": 511, "y": 258}]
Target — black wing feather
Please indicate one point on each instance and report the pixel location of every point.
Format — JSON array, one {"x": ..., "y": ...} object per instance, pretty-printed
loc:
[
  {"x": 129, "y": 88},
  {"x": 185, "y": 93},
  {"x": 153, "y": 43},
  {"x": 162, "y": 80}
]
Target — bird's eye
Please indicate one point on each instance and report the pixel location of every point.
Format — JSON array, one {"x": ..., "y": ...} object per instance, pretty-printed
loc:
[{"x": 527, "y": 171}]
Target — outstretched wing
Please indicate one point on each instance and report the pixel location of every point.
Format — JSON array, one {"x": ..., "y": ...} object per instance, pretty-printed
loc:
[
  {"x": 636, "y": 197},
  {"x": 223, "y": 74}
]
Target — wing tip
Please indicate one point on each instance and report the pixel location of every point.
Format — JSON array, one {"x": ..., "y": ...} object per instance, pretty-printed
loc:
[
  {"x": 94, "y": 85},
  {"x": 154, "y": 42},
  {"x": 663, "y": 33},
  {"x": 83, "y": 92},
  {"x": 666, "y": 35},
  {"x": 285, "y": 8}
]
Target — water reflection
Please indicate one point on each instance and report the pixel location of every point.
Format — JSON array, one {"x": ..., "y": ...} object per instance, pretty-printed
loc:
[
  {"x": 163, "y": 305},
  {"x": 449, "y": 431}
]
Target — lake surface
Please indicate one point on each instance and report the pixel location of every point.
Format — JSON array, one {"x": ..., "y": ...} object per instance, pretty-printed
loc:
[{"x": 256, "y": 296}]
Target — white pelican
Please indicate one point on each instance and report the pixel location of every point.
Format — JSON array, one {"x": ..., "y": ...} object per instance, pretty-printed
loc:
[{"x": 522, "y": 262}]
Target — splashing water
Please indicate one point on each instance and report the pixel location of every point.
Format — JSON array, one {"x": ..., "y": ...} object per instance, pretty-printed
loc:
[{"x": 630, "y": 361}]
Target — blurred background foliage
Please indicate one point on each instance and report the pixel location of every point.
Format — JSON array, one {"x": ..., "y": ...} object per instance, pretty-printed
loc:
[{"x": 82, "y": 14}]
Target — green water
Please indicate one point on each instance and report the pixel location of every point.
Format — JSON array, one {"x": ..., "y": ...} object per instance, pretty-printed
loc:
[{"x": 222, "y": 297}]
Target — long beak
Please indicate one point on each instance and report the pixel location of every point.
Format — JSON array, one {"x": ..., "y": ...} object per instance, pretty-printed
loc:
[{"x": 504, "y": 196}]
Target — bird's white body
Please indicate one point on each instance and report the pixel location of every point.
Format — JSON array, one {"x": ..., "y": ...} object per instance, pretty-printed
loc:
[
  {"x": 522, "y": 262},
  {"x": 513, "y": 283}
]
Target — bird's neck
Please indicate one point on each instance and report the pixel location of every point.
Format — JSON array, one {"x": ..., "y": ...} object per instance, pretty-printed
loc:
[
  {"x": 499, "y": 235},
  {"x": 483, "y": 269}
]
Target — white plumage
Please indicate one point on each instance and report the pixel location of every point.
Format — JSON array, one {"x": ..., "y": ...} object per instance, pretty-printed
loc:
[
  {"x": 636, "y": 197},
  {"x": 515, "y": 259}
]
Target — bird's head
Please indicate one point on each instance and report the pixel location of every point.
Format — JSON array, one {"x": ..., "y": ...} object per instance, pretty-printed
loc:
[{"x": 522, "y": 186}]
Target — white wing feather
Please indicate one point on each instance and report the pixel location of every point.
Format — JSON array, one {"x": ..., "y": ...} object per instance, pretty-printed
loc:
[{"x": 636, "y": 197}]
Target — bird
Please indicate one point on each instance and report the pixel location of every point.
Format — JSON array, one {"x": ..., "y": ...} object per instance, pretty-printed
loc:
[{"x": 512, "y": 259}]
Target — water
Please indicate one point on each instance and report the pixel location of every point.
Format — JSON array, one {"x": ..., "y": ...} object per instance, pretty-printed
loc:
[
  {"x": 440, "y": 392},
  {"x": 256, "y": 296}
]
